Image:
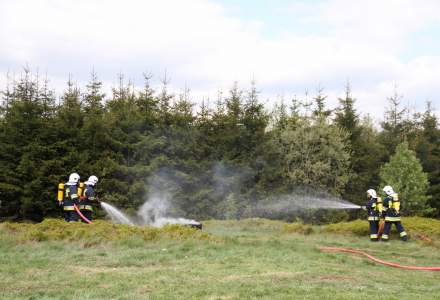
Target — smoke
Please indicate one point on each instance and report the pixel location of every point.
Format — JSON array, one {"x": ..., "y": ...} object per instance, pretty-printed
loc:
[
  {"x": 153, "y": 212},
  {"x": 155, "y": 208},
  {"x": 171, "y": 196},
  {"x": 158, "y": 208},
  {"x": 229, "y": 179},
  {"x": 156, "y": 211},
  {"x": 228, "y": 184}
]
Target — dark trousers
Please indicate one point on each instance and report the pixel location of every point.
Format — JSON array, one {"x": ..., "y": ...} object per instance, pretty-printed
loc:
[
  {"x": 87, "y": 213},
  {"x": 399, "y": 227},
  {"x": 70, "y": 216},
  {"x": 66, "y": 215},
  {"x": 374, "y": 227}
]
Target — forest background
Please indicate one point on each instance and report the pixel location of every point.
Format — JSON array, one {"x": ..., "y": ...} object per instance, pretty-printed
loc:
[{"x": 221, "y": 159}]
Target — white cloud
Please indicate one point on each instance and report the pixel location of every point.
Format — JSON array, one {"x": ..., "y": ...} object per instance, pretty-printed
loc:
[{"x": 201, "y": 46}]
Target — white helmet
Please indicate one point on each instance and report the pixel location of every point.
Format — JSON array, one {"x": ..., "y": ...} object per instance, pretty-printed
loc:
[
  {"x": 388, "y": 190},
  {"x": 92, "y": 180},
  {"x": 372, "y": 193},
  {"x": 74, "y": 178}
]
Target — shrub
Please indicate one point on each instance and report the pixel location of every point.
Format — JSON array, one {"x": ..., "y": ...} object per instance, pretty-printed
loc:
[
  {"x": 357, "y": 227},
  {"x": 99, "y": 231},
  {"x": 298, "y": 228},
  {"x": 416, "y": 227}
]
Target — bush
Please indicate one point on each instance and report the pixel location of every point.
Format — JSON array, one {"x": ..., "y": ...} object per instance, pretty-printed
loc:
[
  {"x": 99, "y": 231},
  {"x": 250, "y": 224},
  {"x": 357, "y": 227},
  {"x": 416, "y": 227},
  {"x": 298, "y": 228}
]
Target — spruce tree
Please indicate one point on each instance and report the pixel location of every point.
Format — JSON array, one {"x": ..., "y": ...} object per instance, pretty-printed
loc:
[
  {"x": 393, "y": 126},
  {"x": 405, "y": 174},
  {"x": 255, "y": 120},
  {"x": 27, "y": 152},
  {"x": 365, "y": 151},
  {"x": 428, "y": 150},
  {"x": 94, "y": 133},
  {"x": 148, "y": 106},
  {"x": 320, "y": 112},
  {"x": 314, "y": 155},
  {"x": 233, "y": 130}
]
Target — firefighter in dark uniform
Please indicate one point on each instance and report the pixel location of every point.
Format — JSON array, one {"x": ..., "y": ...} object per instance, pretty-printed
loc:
[
  {"x": 374, "y": 210},
  {"x": 89, "y": 199},
  {"x": 391, "y": 212},
  {"x": 71, "y": 198}
]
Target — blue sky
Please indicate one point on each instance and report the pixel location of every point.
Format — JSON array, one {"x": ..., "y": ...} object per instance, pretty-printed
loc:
[
  {"x": 278, "y": 16},
  {"x": 288, "y": 47}
]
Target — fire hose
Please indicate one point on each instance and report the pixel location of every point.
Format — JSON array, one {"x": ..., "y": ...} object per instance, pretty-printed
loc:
[
  {"x": 371, "y": 257},
  {"x": 81, "y": 215}
]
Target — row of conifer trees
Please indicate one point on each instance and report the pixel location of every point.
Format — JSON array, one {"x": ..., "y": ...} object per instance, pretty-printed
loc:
[{"x": 216, "y": 159}]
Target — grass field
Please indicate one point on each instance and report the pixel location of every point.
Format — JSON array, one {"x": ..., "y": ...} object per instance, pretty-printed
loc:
[{"x": 249, "y": 259}]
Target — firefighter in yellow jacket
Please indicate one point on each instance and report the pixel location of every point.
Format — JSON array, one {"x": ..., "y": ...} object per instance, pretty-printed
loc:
[
  {"x": 88, "y": 198},
  {"x": 68, "y": 196},
  {"x": 391, "y": 212},
  {"x": 374, "y": 209}
]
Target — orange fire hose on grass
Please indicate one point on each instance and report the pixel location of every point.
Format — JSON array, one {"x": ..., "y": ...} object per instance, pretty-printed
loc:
[
  {"x": 81, "y": 215},
  {"x": 371, "y": 257}
]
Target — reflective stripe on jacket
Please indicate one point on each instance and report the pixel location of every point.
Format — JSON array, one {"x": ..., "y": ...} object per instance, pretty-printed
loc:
[
  {"x": 70, "y": 196},
  {"x": 89, "y": 198},
  {"x": 391, "y": 206},
  {"x": 374, "y": 207}
]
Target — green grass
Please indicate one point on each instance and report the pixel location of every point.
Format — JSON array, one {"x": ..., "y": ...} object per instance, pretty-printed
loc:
[{"x": 249, "y": 259}]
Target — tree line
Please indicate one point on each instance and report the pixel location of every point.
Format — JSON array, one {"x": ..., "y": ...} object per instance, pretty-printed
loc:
[{"x": 216, "y": 159}]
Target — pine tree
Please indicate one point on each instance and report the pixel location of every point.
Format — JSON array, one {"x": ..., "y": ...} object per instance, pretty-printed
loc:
[
  {"x": 148, "y": 106},
  {"x": 164, "y": 101},
  {"x": 314, "y": 155},
  {"x": 295, "y": 111},
  {"x": 364, "y": 147},
  {"x": 69, "y": 123},
  {"x": 232, "y": 133},
  {"x": 347, "y": 117},
  {"x": 279, "y": 117},
  {"x": 27, "y": 150},
  {"x": 255, "y": 120},
  {"x": 393, "y": 126},
  {"x": 405, "y": 174},
  {"x": 182, "y": 111},
  {"x": 69, "y": 111},
  {"x": 428, "y": 150},
  {"x": 234, "y": 106},
  {"x": 47, "y": 99},
  {"x": 205, "y": 128},
  {"x": 94, "y": 133},
  {"x": 93, "y": 99},
  {"x": 320, "y": 112}
]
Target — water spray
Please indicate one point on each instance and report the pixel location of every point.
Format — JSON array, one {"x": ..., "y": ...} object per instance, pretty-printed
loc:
[
  {"x": 116, "y": 215},
  {"x": 302, "y": 200},
  {"x": 150, "y": 213}
]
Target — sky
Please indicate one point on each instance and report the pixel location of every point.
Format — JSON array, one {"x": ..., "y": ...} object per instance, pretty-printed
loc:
[{"x": 288, "y": 47}]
